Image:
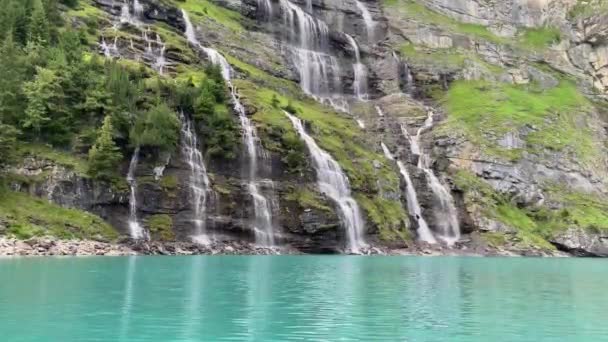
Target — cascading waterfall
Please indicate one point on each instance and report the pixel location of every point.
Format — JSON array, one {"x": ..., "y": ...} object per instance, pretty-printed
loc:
[
  {"x": 370, "y": 24},
  {"x": 138, "y": 9},
  {"x": 155, "y": 50},
  {"x": 264, "y": 9},
  {"x": 199, "y": 180},
  {"x": 360, "y": 72},
  {"x": 361, "y": 124},
  {"x": 109, "y": 50},
  {"x": 263, "y": 226},
  {"x": 333, "y": 182},
  {"x": 406, "y": 77},
  {"x": 413, "y": 206},
  {"x": 319, "y": 71},
  {"x": 386, "y": 151},
  {"x": 446, "y": 213},
  {"x": 136, "y": 231}
]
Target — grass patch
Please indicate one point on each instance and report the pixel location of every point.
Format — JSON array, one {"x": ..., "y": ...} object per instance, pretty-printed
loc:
[
  {"x": 540, "y": 38},
  {"x": 486, "y": 111},
  {"x": 161, "y": 227},
  {"x": 587, "y": 8},
  {"x": 29, "y": 216},
  {"x": 388, "y": 216},
  {"x": 201, "y": 9},
  {"x": 413, "y": 10},
  {"x": 63, "y": 158},
  {"x": 308, "y": 199}
]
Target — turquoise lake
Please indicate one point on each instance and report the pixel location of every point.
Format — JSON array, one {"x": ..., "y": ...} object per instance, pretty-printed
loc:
[{"x": 303, "y": 298}]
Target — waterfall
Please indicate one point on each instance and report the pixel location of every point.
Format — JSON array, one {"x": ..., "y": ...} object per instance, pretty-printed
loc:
[
  {"x": 379, "y": 111},
  {"x": 413, "y": 206},
  {"x": 370, "y": 24},
  {"x": 263, "y": 226},
  {"x": 361, "y": 124},
  {"x": 446, "y": 213},
  {"x": 160, "y": 62},
  {"x": 199, "y": 180},
  {"x": 135, "y": 229},
  {"x": 319, "y": 71},
  {"x": 360, "y": 72},
  {"x": 109, "y": 50},
  {"x": 125, "y": 13},
  {"x": 387, "y": 152},
  {"x": 138, "y": 9},
  {"x": 264, "y": 9},
  {"x": 333, "y": 182}
]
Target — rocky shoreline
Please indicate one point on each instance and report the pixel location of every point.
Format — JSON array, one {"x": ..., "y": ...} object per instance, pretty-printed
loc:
[{"x": 50, "y": 246}]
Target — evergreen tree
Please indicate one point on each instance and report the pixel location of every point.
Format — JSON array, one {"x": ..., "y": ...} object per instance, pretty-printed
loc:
[
  {"x": 8, "y": 143},
  {"x": 157, "y": 128},
  {"x": 44, "y": 95},
  {"x": 204, "y": 105},
  {"x": 38, "y": 31},
  {"x": 11, "y": 69},
  {"x": 104, "y": 156}
]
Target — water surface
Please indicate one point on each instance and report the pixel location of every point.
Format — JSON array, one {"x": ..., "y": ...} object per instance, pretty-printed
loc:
[{"x": 308, "y": 298}]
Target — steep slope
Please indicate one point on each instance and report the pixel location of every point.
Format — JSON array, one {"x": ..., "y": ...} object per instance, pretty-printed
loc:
[{"x": 493, "y": 110}]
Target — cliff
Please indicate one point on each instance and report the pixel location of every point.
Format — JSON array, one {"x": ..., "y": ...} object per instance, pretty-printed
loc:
[{"x": 461, "y": 126}]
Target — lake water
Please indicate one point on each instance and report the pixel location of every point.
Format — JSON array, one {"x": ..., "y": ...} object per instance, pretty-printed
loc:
[{"x": 303, "y": 298}]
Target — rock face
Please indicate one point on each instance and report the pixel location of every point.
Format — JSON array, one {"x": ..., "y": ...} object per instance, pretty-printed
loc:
[{"x": 413, "y": 53}]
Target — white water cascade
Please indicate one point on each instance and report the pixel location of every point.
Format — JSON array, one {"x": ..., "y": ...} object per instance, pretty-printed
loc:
[
  {"x": 446, "y": 214},
  {"x": 264, "y": 9},
  {"x": 263, "y": 226},
  {"x": 109, "y": 50},
  {"x": 155, "y": 50},
  {"x": 370, "y": 24},
  {"x": 360, "y": 72},
  {"x": 199, "y": 180},
  {"x": 318, "y": 69},
  {"x": 333, "y": 182},
  {"x": 136, "y": 231},
  {"x": 413, "y": 206}
]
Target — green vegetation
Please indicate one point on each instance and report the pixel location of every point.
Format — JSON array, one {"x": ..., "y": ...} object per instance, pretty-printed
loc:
[
  {"x": 104, "y": 156},
  {"x": 388, "y": 216},
  {"x": 308, "y": 199},
  {"x": 413, "y": 10},
  {"x": 161, "y": 227},
  {"x": 540, "y": 38},
  {"x": 485, "y": 112},
  {"x": 27, "y": 216},
  {"x": 534, "y": 226},
  {"x": 529, "y": 39},
  {"x": 586, "y": 8},
  {"x": 201, "y": 9}
]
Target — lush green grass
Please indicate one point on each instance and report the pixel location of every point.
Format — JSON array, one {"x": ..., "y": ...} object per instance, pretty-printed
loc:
[
  {"x": 67, "y": 159},
  {"x": 309, "y": 199},
  {"x": 28, "y": 216},
  {"x": 485, "y": 112},
  {"x": 161, "y": 227},
  {"x": 200, "y": 9},
  {"x": 388, "y": 216},
  {"x": 540, "y": 38}
]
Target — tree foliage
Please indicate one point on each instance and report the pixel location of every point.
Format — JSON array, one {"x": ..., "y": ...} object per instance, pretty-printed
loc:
[{"x": 104, "y": 156}]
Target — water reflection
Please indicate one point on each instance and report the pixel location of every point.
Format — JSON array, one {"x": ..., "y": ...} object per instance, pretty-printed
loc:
[{"x": 302, "y": 298}]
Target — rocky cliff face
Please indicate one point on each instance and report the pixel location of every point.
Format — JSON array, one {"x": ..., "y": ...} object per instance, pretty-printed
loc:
[{"x": 517, "y": 135}]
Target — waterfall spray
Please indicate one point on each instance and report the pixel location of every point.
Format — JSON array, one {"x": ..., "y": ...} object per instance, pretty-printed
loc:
[
  {"x": 333, "y": 182},
  {"x": 262, "y": 225}
]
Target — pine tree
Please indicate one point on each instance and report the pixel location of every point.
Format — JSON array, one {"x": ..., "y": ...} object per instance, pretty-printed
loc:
[
  {"x": 11, "y": 69},
  {"x": 43, "y": 94},
  {"x": 38, "y": 31},
  {"x": 104, "y": 156},
  {"x": 8, "y": 143}
]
